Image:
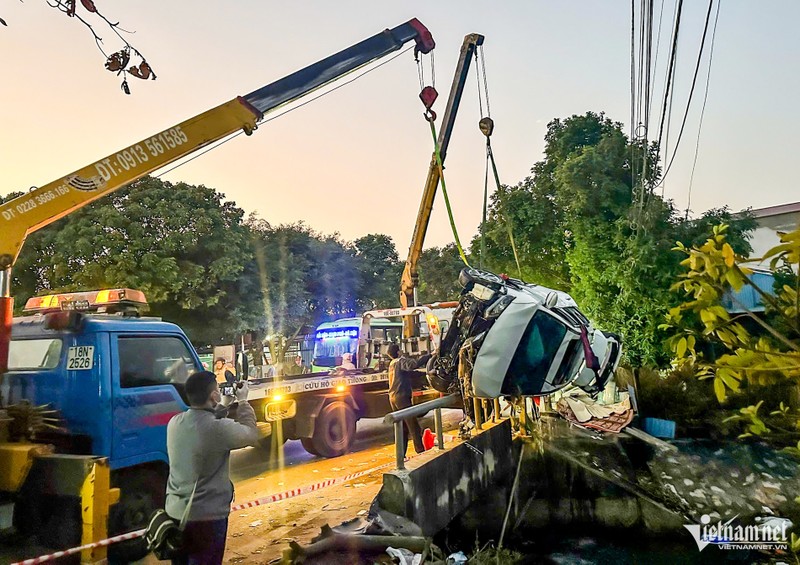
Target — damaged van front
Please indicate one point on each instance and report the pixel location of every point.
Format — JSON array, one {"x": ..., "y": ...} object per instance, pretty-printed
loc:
[{"x": 511, "y": 338}]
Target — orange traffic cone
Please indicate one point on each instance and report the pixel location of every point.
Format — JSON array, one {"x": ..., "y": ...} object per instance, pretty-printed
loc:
[{"x": 428, "y": 439}]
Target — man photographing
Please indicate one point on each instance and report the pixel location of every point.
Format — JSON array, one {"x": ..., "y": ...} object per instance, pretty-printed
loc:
[{"x": 199, "y": 446}]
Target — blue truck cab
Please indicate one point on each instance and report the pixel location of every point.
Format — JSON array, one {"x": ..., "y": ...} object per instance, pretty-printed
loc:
[{"x": 114, "y": 381}]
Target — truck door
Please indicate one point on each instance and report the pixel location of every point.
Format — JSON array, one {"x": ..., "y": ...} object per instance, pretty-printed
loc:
[{"x": 148, "y": 376}]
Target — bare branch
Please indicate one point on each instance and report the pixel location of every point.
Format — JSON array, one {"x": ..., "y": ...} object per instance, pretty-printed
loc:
[{"x": 117, "y": 61}]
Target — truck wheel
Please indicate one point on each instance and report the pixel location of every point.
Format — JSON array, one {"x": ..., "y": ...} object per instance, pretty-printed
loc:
[
  {"x": 62, "y": 523},
  {"x": 334, "y": 429},
  {"x": 308, "y": 445},
  {"x": 142, "y": 493}
]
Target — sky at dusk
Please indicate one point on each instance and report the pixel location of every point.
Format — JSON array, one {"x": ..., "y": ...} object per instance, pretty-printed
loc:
[{"x": 355, "y": 161}]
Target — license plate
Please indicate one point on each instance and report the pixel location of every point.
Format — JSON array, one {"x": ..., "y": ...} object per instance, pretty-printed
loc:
[
  {"x": 75, "y": 305},
  {"x": 281, "y": 410}
]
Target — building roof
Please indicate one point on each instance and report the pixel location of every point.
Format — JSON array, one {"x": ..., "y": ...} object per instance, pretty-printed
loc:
[{"x": 776, "y": 210}]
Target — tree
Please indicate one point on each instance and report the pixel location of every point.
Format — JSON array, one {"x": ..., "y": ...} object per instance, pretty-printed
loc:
[
  {"x": 305, "y": 278},
  {"x": 180, "y": 244},
  {"x": 741, "y": 351},
  {"x": 438, "y": 274},
  {"x": 379, "y": 271},
  {"x": 588, "y": 221}
]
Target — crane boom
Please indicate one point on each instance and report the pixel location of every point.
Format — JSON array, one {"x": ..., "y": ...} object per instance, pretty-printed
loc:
[
  {"x": 42, "y": 206},
  {"x": 48, "y": 203},
  {"x": 410, "y": 276}
]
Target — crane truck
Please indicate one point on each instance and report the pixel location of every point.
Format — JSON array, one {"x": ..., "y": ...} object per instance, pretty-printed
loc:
[{"x": 86, "y": 386}]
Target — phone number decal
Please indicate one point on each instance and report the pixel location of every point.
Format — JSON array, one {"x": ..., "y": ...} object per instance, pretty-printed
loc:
[
  {"x": 139, "y": 154},
  {"x": 35, "y": 201}
]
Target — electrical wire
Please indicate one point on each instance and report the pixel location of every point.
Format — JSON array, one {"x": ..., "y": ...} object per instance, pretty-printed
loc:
[
  {"x": 691, "y": 91},
  {"x": 702, "y": 111},
  {"x": 670, "y": 75},
  {"x": 292, "y": 109}
]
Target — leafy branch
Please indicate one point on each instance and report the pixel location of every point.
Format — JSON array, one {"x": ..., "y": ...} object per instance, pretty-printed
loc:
[{"x": 720, "y": 347}]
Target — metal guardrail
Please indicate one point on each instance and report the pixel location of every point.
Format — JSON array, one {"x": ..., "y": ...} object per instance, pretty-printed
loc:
[{"x": 415, "y": 411}]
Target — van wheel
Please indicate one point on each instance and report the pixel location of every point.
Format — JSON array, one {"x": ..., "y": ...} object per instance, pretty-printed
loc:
[
  {"x": 142, "y": 493},
  {"x": 469, "y": 276},
  {"x": 334, "y": 429}
]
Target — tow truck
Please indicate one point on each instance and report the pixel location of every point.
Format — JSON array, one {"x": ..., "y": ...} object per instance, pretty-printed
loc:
[
  {"x": 321, "y": 409},
  {"x": 74, "y": 426}
]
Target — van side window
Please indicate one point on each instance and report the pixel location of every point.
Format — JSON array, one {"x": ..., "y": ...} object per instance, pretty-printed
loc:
[{"x": 150, "y": 361}]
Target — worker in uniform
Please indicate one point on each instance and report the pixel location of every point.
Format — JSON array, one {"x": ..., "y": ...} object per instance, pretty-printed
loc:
[
  {"x": 402, "y": 372},
  {"x": 199, "y": 446}
]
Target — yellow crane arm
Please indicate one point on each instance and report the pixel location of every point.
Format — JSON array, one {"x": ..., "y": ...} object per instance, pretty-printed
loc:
[{"x": 34, "y": 210}]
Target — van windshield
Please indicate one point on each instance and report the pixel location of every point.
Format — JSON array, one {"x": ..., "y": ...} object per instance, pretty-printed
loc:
[
  {"x": 32, "y": 354},
  {"x": 535, "y": 355}
]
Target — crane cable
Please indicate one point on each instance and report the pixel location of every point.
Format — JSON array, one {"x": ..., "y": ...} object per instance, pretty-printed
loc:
[
  {"x": 428, "y": 96},
  {"x": 486, "y": 125}
]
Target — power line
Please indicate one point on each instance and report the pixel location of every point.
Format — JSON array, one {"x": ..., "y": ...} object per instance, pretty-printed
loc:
[
  {"x": 691, "y": 91},
  {"x": 702, "y": 110},
  {"x": 670, "y": 69}
]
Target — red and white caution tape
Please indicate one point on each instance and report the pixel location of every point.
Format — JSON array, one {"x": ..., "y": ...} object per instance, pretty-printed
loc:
[
  {"x": 259, "y": 502},
  {"x": 74, "y": 550},
  {"x": 277, "y": 497},
  {"x": 306, "y": 489}
]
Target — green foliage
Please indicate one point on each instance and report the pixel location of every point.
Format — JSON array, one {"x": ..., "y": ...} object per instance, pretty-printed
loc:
[
  {"x": 438, "y": 274},
  {"x": 589, "y": 222},
  {"x": 305, "y": 278},
  {"x": 725, "y": 348},
  {"x": 180, "y": 244},
  {"x": 379, "y": 270}
]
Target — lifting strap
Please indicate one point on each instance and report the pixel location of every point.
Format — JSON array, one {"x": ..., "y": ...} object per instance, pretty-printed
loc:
[{"x": 438, "y": 155}]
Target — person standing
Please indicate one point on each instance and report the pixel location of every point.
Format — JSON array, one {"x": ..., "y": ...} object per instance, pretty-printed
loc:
[
  {"x": 298, "y": 368},
  {"x": 347, "y": 362},
  {"x": 222, "y": 373},
  {"x": 402, "y": 371},
  {"x": 199, "y": 446}
]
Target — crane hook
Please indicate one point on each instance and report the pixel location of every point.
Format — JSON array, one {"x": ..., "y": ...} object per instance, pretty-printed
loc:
[
  {"x": 486, "y": 126},
  {"x": 428, "y": 97}
]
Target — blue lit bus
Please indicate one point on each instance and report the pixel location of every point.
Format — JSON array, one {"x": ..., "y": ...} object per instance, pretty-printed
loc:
[
  {"x": 334, "y": 339},
  {"x": 366, "y": 338}
]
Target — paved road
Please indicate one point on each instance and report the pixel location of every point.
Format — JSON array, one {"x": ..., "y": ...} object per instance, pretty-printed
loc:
[{"x": 259, "y": 534}]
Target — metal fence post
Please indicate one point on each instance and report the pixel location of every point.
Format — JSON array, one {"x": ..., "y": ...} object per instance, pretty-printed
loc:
[
  {"x": 477, "y": 409},
  {"x": 399, "y": 445},
  {"x": 439, "y": 429}
]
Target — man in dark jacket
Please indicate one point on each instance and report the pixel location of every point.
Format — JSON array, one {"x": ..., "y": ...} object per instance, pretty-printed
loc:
[{"x": 402, "y": 372}]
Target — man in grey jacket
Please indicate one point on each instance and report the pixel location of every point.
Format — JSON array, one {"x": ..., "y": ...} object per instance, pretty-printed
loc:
[{"x": 199, "y": 446}]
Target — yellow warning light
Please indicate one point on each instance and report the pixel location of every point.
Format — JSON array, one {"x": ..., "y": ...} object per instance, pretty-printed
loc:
[
  {"x": 341, "y": 388},
  {"x": 433, "y": 323},
  {"x": 277, "y": 397},
  {"x": 104, "y": 300}
]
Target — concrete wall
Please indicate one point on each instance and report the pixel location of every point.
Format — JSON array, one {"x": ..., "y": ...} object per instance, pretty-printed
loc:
[{"x": 437, "y": 487}]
